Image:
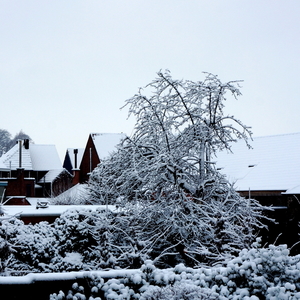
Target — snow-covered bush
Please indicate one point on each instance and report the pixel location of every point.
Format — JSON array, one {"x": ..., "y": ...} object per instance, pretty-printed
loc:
[
  {"x": 66, "y": 245},
  {"x": 34, "y": 245},
  {"x": 263, "y": 270},
  {"x": 179, "y": 292},
  {"x": 176, "y": 204},
  {"x": 72, "y": 230},
  {"x": 5, "y": 253},
  {"x": 75, "y": 293},
  {"x": 259, "y": 273},
  {"x": 81, "y": 239},
  {"x": 78, "y": 292}
]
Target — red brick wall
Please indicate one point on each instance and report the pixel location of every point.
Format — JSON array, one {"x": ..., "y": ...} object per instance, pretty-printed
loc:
[{"x": 20, "y": 186}]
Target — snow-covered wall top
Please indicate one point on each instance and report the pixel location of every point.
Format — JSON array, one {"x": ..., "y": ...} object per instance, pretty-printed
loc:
[{"x": 51, "y": 210}]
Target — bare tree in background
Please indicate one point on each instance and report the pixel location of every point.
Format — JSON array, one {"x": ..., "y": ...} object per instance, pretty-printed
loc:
[{"x": 7, "y": 142}]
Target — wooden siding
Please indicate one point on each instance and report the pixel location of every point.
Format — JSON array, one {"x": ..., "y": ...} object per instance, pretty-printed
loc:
[{"x": 89, "y": 161}]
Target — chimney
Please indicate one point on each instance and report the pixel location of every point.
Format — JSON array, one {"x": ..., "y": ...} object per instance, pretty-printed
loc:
[
  {"x": 20, "y": 172},
  {"x": 20, "y": 153},
  {"x": 75, "y": 158},
  {"x": 26, "y": 144},
  {"x": 76, "y": 171}
]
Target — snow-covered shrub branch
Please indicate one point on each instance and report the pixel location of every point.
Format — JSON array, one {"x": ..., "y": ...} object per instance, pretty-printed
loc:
[{"x": 164, "y": 177}]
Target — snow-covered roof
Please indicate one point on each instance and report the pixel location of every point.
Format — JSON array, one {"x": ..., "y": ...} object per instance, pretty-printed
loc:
[
  {"x": 272, "y": 164},
  {"x": 44, "y": 157},
  {"x": 72, "y": 156},
  {"x": 293, "y": 191},
  {"x": 3, "y": 167},
  {"x": 51, "y": 175},
  {"x": 105, "y": 143},
  {"x": 76, "y": 194},
  {"x": 37, "y": 158}
]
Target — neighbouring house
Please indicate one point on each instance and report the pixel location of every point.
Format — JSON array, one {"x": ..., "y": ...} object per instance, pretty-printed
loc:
[
  {"x": 32, "y": 170},
  {"x": 84, "y": 161},
  {"x": 76, "y": 195},
  {"x": 55, "y": 182},
  {"x": 270, "y": 173},
  {"x": 73, "y": 159},
  {"x": 267, "y": 170}
]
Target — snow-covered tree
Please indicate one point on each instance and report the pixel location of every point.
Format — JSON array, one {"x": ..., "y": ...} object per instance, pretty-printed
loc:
[
  {"x": 180, "y": 204},
  {"x": 5, "y": 139},
  {"x": 7, "y": 142},
  {"x": 19, "y": 136}
]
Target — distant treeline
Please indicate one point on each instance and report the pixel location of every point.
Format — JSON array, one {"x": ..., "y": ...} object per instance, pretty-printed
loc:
[{"x": 7, "y": 141}]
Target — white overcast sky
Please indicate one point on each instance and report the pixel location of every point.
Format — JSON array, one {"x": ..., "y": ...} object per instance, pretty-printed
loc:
[{"x": 66, "y": 67}]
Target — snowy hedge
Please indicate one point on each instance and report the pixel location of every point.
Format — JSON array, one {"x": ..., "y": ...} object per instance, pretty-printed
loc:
[
  {"x": 258, "y": 273},
  {"x": 69, "y": 244},
  {"x": 90, "y": 241}
]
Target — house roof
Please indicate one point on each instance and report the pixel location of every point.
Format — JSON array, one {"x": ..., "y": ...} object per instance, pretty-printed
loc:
[
  {"x": 36, "y": 158},
  {"x": 3, "y": 167},
  {"x": 75, "y": 194},
  {"x": 293, "y": 191},
  {"x": 70, "y": 152},
  {"x": 272, "y": 164},
  {"x": 51, "y": 175},
  {"x": 105, "y": 143}
]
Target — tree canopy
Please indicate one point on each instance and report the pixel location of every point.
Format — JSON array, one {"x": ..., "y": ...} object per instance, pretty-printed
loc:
[
  {"x": 7, "y": 142},
  {"x": 164, "y": 174}
]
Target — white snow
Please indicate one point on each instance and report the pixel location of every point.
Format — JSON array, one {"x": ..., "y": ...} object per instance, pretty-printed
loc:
[
  {"x": 77, "y": 194},
  {"x": 51, "y": 175},
  {"x": 44, "y": 157},
  {"x": 106, "y": 143},
  {"x": 37, "y": 158},
  {"x": 73, "y": 258},
  {"x": 51, "y": 210},
  {"x": 272, "y": 164},
  {"x": 30, "y": 278}
]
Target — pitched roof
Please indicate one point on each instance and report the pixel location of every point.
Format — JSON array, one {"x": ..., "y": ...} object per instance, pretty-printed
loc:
[
  {"x": 51, "y": 175},
  {"x": 272, "y": 164},
  {"x": 293, "y": 191},
  {"x": 3, "y": 166},
  {"x": 105, "y": 143},
  {"x": 36, "y": 158},
  {"x": 76, "y": 194},
  {"x": 70, "y": 152}
]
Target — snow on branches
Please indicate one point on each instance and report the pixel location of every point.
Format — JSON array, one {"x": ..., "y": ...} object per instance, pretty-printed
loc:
[{"x": 164, "y": 176}]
